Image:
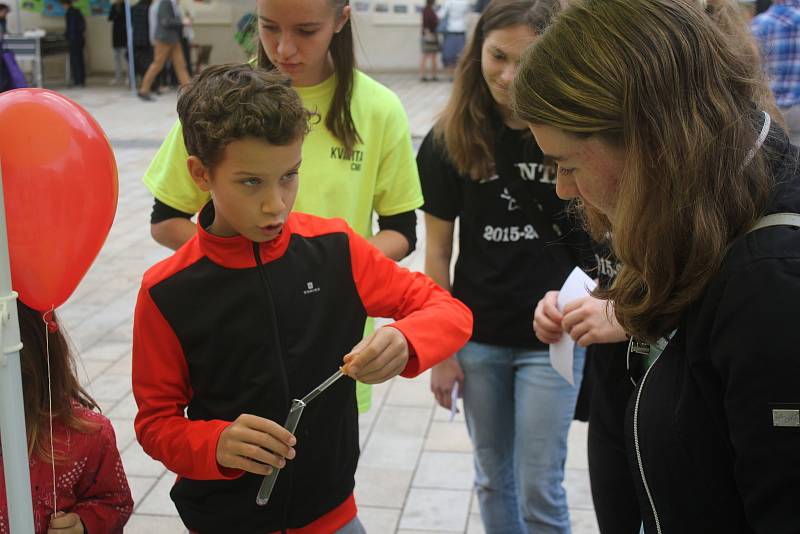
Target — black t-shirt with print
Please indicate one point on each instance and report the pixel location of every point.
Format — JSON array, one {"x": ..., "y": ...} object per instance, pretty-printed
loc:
[{"x": 506, "y": 261}]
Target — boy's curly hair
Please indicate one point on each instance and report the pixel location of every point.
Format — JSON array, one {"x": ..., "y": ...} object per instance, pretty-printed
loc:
[{"x": 229, "y": 102}]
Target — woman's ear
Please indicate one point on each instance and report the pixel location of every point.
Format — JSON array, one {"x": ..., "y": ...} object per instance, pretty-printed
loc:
[
  {"x": 342, "y": 20},
  {"x": 199, "y": 173}
]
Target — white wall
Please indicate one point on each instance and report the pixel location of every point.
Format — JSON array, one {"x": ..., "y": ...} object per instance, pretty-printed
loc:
[{"x": 387, "y": 40}]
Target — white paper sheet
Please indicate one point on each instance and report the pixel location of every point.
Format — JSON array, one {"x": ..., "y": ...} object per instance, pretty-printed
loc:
[
  {"x": 454, "y": 401},
  {"x": 577, "y": 285}
]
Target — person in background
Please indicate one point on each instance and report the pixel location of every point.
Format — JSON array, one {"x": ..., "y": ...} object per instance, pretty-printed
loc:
[
  {"x": 168, "y": 35},
  {"x": 453, "y": 24},
  {"x": 76, "y": 27},
  {"x": 358, "y": 161},
  {"x": 119, "y": 41},
  {"x": 142, "y": 48},
  {"x": 479, "y": 164},
  {"x": 92, "y": 493},
  {"x": 4, "y": 11},
  {"x": 430, "y": 42},
  {"x": 777, "y": 32},
  {"x": 187, "y": 38}
]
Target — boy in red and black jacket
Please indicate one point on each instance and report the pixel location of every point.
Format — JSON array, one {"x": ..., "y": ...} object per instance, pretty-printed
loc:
[{"x": 258, "y": 309}]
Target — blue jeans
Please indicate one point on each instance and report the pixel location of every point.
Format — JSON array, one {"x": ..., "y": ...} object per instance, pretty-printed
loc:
[
  {"x": 518, "y": 412},
  {"x": 353, "y": 527}
]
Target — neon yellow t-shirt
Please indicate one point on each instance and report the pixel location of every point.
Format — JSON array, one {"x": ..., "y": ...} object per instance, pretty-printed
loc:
[{"x": 381, "y": 176}]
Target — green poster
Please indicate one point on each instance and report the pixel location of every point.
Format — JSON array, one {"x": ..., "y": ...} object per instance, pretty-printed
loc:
[{"x": 54, "y": 8}]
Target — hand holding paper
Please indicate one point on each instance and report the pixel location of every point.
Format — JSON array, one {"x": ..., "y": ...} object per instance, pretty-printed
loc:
[{"x": 577, "y": 285}]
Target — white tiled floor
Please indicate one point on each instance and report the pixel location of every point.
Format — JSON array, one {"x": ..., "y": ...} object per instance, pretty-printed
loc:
[{"x": 415, "y": 474}]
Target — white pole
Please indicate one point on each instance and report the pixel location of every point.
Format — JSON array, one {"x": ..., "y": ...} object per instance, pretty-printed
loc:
[
  {"x": 131, "y": 59},
  {"x": 12, "y": 409},
  {"x": 19, "y": 20}
]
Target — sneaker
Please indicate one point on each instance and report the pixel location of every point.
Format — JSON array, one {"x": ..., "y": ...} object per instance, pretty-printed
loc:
[{"x": 147, "y": 97}]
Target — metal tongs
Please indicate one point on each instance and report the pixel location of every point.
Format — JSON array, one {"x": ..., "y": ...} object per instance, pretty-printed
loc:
[{"x": 291, "y": 425}]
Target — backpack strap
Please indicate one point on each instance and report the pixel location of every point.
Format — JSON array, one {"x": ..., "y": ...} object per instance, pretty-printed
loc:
[{"x": 777, "y": 219}]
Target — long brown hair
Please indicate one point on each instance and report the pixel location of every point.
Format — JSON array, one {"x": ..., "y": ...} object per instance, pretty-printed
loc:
[
  {"x": 673, "y": 92},
  {"x": 339, "y": 119},
  {"x": 64, "y": 384},
  {"x": 462, "y": 126}
]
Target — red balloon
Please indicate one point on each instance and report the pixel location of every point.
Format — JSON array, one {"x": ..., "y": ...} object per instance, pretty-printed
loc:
[{"x": 60, "y": 187}]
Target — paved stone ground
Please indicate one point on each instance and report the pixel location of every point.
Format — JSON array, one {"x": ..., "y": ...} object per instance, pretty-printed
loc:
[{"x": 415, "y": 473}]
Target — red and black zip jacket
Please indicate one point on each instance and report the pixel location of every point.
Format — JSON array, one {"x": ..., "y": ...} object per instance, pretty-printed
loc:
[{"x": 227, "y": 326}]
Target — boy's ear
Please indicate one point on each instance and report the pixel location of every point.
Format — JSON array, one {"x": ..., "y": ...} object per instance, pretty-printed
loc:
[{"x": 199, "y": 173}]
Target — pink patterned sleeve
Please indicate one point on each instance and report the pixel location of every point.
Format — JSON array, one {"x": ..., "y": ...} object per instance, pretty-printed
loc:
[{"x": 104, "y": 501}]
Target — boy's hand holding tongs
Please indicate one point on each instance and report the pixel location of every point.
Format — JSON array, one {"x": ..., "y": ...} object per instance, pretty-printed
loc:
[{"x": 378, "y": 357}]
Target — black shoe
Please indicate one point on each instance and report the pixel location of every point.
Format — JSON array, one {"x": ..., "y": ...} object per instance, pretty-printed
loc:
[
  {"x": 424, "y": 79},
  {"x": 147, "y": 97}
]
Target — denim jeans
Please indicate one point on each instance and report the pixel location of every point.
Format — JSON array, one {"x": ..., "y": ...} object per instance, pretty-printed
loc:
[
  {"x": 518, "y": 412},
  {"x": 353, "y": 527}
]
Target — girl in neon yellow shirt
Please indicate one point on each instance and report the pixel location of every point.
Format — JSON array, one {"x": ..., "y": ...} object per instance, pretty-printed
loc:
[{"x": 356, "y": 161}]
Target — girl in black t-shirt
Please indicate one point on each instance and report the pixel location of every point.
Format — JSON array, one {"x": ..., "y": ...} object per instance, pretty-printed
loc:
[{"x": 482, "y": 166}]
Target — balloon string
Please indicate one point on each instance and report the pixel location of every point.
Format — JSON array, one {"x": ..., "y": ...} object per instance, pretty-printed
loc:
[{"x": 49, "y": 321}]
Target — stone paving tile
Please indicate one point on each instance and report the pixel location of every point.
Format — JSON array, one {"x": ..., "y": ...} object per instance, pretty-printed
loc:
[
  {"x": 155, "y": 524},
  {"x": 109, "y": 388},
  {"x": 88, "y": 370},
  {"x": 414, "y": 392},
  {"x": 140, "y": 487},
  {"x": 125, "y": 409},
  {"x": 138, "y": 463},
  {"x": 383, "y": 487},
  {"x": 583, "y": 522},
  {"x": 121, "y": 367},
  {"x": 436, "y": 510},
  {"x": 579, "y": 493},
  {"x": 397, "y": 438},
  {"x": 577, "y": 457},
  {"x": 125, "y": 433},
  {"x": 107, "y": 351},
  {"x": 445, "y": 470},
  {"x": 378, "y": 520},
  {"x": 157, "y": 502},
  {"x": 475, "y": 525},
  {"x": 445, "y": 436}
]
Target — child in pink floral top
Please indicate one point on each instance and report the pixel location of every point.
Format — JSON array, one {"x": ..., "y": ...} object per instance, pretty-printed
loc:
[{"x": 92, "y": 493}]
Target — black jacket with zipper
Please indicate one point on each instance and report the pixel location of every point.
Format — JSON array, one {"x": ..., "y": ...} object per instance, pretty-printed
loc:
[
  {"x": 709, "y": 448},
  {"x": 226, "y": 327}
]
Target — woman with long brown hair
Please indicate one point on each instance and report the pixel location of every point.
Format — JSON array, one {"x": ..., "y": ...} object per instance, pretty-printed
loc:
[
  {"x": 78, "y": 452},
  {"x": 590, "y": 322},
  {"x": 480, "y": 165},
  {"x": 661, "y": 137}
]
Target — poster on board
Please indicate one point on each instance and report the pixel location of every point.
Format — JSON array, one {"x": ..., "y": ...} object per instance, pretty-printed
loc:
[{"x": 53, "y": 8}]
